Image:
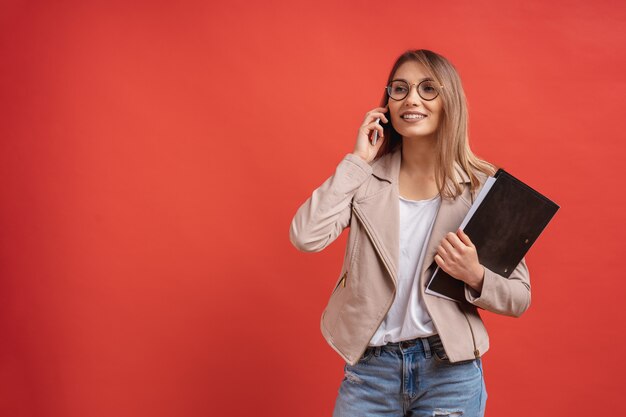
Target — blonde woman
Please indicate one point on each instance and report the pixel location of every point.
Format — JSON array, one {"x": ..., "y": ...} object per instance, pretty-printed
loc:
[{"x": 408, "y": 353}]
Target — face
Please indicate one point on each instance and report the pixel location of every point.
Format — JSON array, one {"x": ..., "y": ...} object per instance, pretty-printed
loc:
[{"x": 420, "y": 127}]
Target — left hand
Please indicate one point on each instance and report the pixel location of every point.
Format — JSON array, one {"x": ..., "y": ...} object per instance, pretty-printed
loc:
[{"x": 457, "y": 256}]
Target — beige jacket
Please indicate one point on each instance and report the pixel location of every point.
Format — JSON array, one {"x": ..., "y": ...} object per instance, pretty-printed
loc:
[{"x": 364, "y": 196}]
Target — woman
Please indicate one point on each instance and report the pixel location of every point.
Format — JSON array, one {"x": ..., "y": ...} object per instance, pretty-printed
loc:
[{"x": 408, "y": 353}]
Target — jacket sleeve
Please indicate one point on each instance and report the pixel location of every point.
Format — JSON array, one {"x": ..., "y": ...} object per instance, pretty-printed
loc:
[
  {"x": 507, "y": 296},
  {"x": 322, "y": 218}
]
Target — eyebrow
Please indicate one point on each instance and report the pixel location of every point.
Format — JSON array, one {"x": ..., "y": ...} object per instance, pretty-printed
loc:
[{"x": 420, "y": 80}]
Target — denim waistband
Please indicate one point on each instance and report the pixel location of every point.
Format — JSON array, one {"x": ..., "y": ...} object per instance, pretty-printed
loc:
[{"x": 417, "y": 345}]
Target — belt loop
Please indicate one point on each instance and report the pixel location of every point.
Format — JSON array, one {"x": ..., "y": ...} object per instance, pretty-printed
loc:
[
  {"x": 377, "y": 350},
  {"x": 426, "y": 347}
]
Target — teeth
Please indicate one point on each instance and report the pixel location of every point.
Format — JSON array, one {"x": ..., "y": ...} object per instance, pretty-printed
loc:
[{"x": 413, "y": 116}]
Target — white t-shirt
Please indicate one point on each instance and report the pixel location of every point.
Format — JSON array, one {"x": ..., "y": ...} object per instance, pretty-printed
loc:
[{"x": 407, "y": 318}]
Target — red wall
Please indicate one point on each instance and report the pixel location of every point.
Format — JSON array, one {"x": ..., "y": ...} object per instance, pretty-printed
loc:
[{"x": 153, "y": 155}]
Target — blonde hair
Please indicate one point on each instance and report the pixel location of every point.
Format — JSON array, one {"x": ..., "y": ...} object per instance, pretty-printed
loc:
[{"x": 452, "y": 134}]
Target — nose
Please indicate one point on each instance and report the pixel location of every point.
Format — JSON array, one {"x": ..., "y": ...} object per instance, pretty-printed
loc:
[{"x": 413, "y": 98}]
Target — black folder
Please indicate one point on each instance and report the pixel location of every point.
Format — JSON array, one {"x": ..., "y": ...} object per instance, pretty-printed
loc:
[{"x": 505, "y": 224}]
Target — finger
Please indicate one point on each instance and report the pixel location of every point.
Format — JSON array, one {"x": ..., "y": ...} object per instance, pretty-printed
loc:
[
  {"x": 455, "y": 241},
  {"x": 443, "y": 249},
  {"x": 369, "y": 119},
  {"x": 446, "y": 248},
  {"x": 373, "y": 115},
  {"x": 381, "y": 131},
  {"x": 382, "y": 116},
  {"x": 464, "y": 238},
  {"x": 439, "y": 260},
  {"x": 375, "y": 126},
  {"x": 375, "y": 135},
  {"x": 368, "y": 128},
  {"x": 441, "y": 252},
  {"x": 379, "y": 143}
]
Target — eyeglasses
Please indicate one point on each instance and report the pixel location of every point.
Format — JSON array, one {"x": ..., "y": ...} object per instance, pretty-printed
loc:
[{"x": 426, "y": 89}]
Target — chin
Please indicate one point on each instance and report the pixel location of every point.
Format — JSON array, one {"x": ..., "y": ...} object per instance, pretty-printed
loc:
[{"x": 417, "y": 135}]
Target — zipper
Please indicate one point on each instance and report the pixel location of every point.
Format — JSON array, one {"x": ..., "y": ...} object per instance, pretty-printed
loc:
[
  {"x": 476, "y": 351},
  {"x": 343, "y": 280}
]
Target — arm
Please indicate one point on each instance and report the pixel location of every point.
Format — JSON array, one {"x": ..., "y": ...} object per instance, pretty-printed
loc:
[
  {"x": 484, "y": 288},
  {"x": 322, "y": 218},
  {"x": 507, "y": 296}
]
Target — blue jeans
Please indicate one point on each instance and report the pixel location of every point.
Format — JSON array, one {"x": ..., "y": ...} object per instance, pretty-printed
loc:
[{"x": 412, "y": 378}]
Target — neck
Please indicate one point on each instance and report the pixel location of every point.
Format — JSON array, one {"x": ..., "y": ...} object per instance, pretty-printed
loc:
[{"x": 418, "y": 156}]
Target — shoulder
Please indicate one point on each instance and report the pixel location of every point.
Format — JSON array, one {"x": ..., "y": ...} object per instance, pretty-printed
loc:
[
  {"x": 480, "y": 170},
  {"x": 481, "y": 176}
]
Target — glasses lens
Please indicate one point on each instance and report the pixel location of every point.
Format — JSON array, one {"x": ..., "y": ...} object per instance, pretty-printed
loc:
[
  {"x": 397, "y": 90},
  {"x": 428, "y": 90}
]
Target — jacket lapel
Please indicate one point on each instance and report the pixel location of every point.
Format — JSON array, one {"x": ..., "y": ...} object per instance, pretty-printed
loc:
[
  {"x": 379, "y": 212},
  {"x": 449, "y": 217}
]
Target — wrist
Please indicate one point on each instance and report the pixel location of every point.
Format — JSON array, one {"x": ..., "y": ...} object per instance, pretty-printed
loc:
[
  {"x": 479, "y": 277},
  {"x": 360, "y": 156}
]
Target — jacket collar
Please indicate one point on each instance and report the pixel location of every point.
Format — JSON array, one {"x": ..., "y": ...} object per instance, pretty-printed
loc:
[{"x": 387, "y": 168}]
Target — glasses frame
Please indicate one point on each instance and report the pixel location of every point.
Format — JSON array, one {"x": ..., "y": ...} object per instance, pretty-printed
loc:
[{"x": 387, "y": 87}]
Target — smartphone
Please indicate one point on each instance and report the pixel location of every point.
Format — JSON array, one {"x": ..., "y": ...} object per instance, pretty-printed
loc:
[{"x": 375, "y": 136}]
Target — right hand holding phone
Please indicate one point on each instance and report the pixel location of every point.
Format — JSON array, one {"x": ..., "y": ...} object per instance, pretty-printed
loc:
[{"x": 364, "y": 147}]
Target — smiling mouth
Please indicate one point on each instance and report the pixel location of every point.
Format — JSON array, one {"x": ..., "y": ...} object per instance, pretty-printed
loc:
[{"x": 413, "y": 117}]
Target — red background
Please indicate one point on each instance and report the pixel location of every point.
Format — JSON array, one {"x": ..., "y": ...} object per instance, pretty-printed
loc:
[{"x": 153, "y": 155}]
